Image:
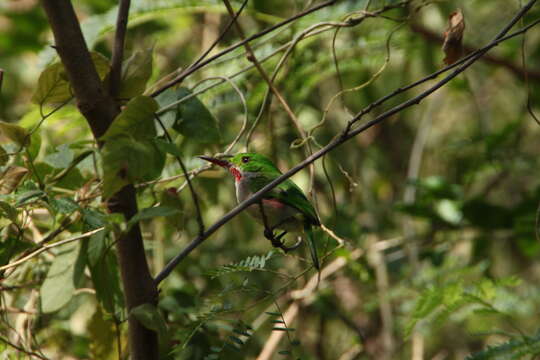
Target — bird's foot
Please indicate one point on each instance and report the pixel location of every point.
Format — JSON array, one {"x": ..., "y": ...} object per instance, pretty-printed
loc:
[{"x": 276, "y": 240}]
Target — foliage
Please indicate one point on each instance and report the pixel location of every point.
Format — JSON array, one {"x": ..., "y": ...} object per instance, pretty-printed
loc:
[{"x": 438, "y": 206}]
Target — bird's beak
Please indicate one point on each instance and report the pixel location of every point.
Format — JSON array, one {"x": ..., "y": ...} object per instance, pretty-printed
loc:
[{"x": 223, "y": 163}]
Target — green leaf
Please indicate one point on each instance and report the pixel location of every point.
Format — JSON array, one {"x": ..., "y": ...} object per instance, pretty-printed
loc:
[
  {"x": 168, "y": 147},
  {"x": 97, "y": 244},
  {"x": 27, "y": 196},
  {"x": 103, "y": 335},
  {"x": 194, "y": 120},
  {"x": 151, "y": 318},
  {"x": 92, "y": 219},
  {"x": 35, "y": 145},
  {"x": 150, "y": 213},
  {"x": 8, "y": 211},
  {"x": 64, "y": 205},
  {"x": 136, "y": 70},
  {"x": 104, "y": 272},
  {"x": 61, "y": 158},
  {"x": 517, "y": 348},
  {"x": 449, "y": 211},
  {"x": 53, "y": 84},
  {"x": 59, "y": 286},
  {"x": 15, "y": 133},
  {"x": 135, "y": 121},
  {"x": 11, "y": 247},
  {"x": 126, "y": 161}
]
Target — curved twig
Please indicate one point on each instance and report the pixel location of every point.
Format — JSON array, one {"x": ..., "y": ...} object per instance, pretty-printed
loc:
[{"x": 347, "y": 134}]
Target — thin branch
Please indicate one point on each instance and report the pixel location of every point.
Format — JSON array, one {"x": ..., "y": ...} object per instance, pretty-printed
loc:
[
  {"x": 23, "y": 350},
  {"x": 118, "y": 49},
  {"x": 233, "y": 47},
  {"x": 1, "y": 78},
  {"x": 304, "y": 297},
  {"x": 194, "y": 196},
  {"x": 50, "y": 246},
  {"x": 251, "y": 57},
  {"x": 349, "y": 133},
  {"x": 220, "y": 37}
]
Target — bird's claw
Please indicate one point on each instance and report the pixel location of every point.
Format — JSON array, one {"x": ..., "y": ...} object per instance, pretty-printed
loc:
[{"x": 276, "y": 240}]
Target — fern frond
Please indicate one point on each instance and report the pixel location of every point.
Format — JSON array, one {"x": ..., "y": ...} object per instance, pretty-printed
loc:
[
  {"x": 513, "y": 349},
  {"x": 248, "y": 264}
]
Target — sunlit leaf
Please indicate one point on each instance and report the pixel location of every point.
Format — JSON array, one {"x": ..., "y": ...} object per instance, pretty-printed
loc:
[
  {"x": 53, "y": 85},
  {"x": 58, "y": 287},
  {"x": 135, "y": 121}
]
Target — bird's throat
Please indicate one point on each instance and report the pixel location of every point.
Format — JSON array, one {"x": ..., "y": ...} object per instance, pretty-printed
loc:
[{"x": 236, "y": 173}]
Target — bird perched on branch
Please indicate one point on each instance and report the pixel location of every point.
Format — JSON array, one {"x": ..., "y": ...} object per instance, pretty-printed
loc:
[{"x": 285, "y": 207}]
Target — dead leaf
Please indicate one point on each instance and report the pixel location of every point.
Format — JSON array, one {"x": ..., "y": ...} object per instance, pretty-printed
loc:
[
  {"x": 11, "y": 178},
  {"x": 453, "y": 36}
]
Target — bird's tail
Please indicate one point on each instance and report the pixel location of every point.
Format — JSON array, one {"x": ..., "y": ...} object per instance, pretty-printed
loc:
[{"x": 308, "y": 229}]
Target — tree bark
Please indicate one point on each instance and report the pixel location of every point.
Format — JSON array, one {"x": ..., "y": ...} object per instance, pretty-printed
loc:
[{"x": 100, "y": 109}]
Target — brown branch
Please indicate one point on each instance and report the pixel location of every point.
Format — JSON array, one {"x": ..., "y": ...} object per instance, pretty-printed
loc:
[
  {"x": 348, "y": 133},
  {"x": 192, "y": 69},
  {"x": 264, "y": 75},
  {"x": 492, "y": 59},
  {"x": 115, "y": 75},
  {"x": 1, "y": 79},
  {"x": 100, "y": 109}
]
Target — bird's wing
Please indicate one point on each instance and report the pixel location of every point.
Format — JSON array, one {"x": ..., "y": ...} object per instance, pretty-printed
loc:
[{"x": 289, "y": 193}]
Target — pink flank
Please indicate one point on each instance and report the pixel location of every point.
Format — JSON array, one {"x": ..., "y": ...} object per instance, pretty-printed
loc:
[{"x": 276, "y": 204}]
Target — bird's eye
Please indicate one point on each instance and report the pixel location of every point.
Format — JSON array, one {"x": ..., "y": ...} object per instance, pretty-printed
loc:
[{"x": 245, "y": 159}]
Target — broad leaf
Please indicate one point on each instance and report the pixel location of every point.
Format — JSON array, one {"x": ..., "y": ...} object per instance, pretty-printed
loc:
[
  {"x": 61, "y": 158},
  {"x": 64, "y": 205},
  {"x": 127, "y": 161},
  {"x": 194, "y": 120},
  {"x": 59, "y": 286},
  {"x": 53, "y": 84},
  {"x": 168, "y": 147},
  {"x": 135, "y": 121},
  {"x": 104, "y": 272},
  {"x": 136, "y": 71}
]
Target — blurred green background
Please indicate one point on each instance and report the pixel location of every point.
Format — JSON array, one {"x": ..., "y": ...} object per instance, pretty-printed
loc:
[{"x": 438, "y": 205}]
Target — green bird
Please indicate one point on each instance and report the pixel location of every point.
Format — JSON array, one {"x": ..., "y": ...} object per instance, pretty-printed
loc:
[{"x": 285, "y": 207}]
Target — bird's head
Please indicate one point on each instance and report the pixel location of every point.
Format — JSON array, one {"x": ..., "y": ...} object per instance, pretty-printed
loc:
[{"x": 242, "y": 163}]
